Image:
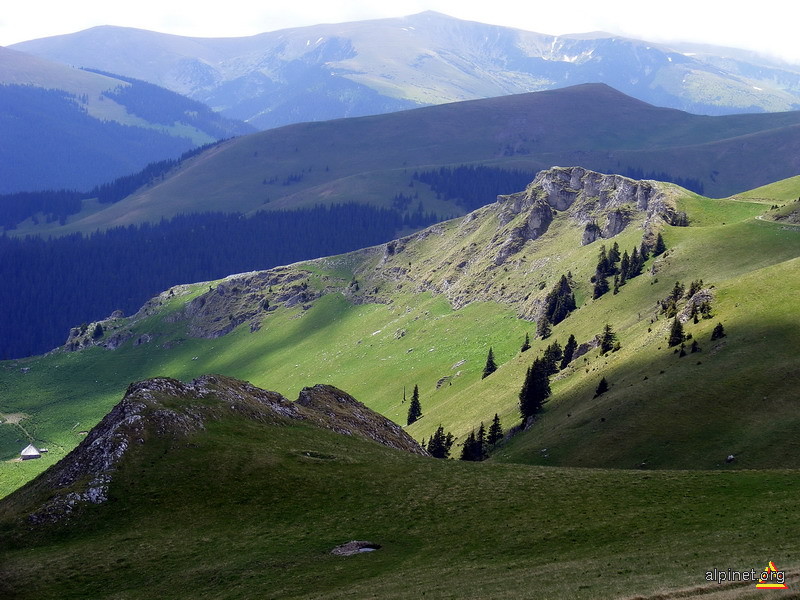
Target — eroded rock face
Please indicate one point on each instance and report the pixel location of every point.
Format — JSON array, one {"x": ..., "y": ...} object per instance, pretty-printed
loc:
[{"x": 584, "y": 196}]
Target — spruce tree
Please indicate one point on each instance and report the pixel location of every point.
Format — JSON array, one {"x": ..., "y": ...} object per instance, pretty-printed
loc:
[
  {"x": 624, "y": 268},
  {"x": 560, "y": 301},
  {"x": 569, "y": 351},
  {"x": 474, "y": 447},
  {"x": 98, "y": 332},
  {"x": 719, "y": 332},
  {"x": 480, "y": 443},
  {"x": 468, "y": 448},
  {"x": 644, "y": 252},
  {"x": 602, "y": 388},
  {"x": 607, "y": 339},
  {"x": 491, "y": 366},
  {"x": 415, "y": 408},
  {"x": 613, "y": 256},
  {"x": 543, "y": 328},
  {"x": 677, "y": 291},
  {"x": 637, "y": 263},
  {"x": 600, "y": 287},
  {"x": 604, "y": 266},
  {"x": 552, "y": 357},
  {"x": 535, "y": 390},
  {"x": 660, "y": 247},
  {"x": 675, "y": 333},
  {"x": 695, "y": 287},
  {"x": 495, "y": 431},
  {"x": 526, "y": 345}
]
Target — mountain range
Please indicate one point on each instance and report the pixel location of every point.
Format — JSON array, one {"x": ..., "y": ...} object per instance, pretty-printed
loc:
[
  {"x": 610, "y": 351},
  {"x": 70, "y": 128},
  {"x": 369, "y": 178},
  {"x": 385, "y": 160},
  {"x": 367, "y": 67},
  {"x": 677, "y": 450},
  {"x": 425, "y": 309}
]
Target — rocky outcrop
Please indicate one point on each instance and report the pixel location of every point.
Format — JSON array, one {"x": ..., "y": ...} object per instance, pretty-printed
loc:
[
  {"x": 169, "y": 409},
  {"x": 700, "y": 301},
  {"x": 585, "y": 196},
  {"x": 346, "y": 415}
]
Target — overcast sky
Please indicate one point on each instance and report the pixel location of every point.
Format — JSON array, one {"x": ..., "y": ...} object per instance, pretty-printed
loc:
[{"x": 763, "y": 26}]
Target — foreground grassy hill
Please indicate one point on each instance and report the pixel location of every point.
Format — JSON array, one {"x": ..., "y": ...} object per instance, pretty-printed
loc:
[
  {"x": 373, "y": 159},
  {"x": 222, "y": 492}
]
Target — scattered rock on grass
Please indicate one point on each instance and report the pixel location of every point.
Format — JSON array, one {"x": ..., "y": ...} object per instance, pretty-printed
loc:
[{"x": 355, "y": 547}]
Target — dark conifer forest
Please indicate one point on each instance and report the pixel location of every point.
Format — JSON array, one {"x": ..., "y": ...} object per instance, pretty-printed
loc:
[
  {"x": 472, "y": 186},
  {"x": 52, "y": 285}
]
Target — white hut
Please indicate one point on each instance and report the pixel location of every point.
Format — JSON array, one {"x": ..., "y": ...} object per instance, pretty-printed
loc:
[{"x": 30, "y": 452}]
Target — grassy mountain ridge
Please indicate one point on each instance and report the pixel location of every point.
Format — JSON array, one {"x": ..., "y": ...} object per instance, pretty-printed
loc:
[
  {"x": 69, "y": 128},
  {"x": 351, "y": 69},
  {"x": 372, "y": 159},
  {"x": 251, "y": 504},
  {"x": 409, "y": 312}
]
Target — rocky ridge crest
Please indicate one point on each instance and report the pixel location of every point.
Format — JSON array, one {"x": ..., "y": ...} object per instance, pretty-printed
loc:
[
  {"x": 167, "y": 408},
  {"x": 602, "y": 205}
]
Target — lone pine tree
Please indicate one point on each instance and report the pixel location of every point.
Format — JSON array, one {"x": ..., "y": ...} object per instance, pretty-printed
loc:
[
  {"x": 602, "y": 388},
  {"x": 543, "y": 328},
  {"x": 607, "y": 339},
  {"x": 415, "y": 408},
  {"x": 491, "y": 366},
  {"x": 569, "y": 351},
  {"x": 526, "y": 345},
  {"x": 660, "y": 246},
  {"x": 552, "y": 357}
]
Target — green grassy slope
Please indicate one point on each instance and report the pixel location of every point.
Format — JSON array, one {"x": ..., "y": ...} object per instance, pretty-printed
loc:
[
  {"x": 243, "y": 509},
  {"x": 371, "y": 159},
  {"x": 402, "y": 330}
]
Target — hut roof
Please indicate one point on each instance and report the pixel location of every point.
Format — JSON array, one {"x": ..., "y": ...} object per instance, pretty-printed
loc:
[{"x": 30, "y": 451}]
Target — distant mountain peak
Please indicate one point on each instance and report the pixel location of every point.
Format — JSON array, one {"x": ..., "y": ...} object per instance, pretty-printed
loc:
[{"x": 277, "y": 78}]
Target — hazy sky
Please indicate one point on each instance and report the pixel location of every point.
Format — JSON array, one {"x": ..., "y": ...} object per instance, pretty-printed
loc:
[{"x": 763, "y": 26}]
